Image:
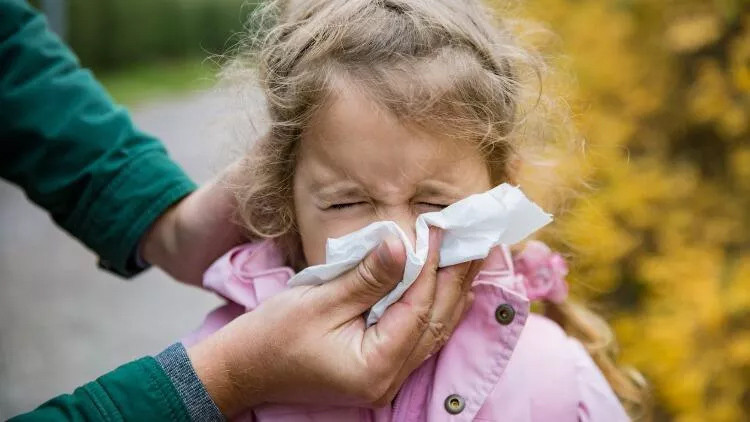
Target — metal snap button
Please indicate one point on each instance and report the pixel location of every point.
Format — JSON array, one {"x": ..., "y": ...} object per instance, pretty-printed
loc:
[
  {"x": 454, "y": 404},
  {"x": 504, "y": 314}
]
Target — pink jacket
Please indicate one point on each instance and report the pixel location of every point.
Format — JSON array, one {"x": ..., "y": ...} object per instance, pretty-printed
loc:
[{"x": 501, "y": 364}]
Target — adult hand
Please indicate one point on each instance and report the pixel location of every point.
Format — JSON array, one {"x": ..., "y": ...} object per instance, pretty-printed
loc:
[
  {"x": 311, "y": 344},
  {"x": 194, "y": 232}
]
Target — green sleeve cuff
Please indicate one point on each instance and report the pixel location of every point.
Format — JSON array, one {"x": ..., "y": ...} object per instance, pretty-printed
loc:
[
  {"x": 176, "y": 364},
  {"x": 117, "y": 219},
  {"x": 155, "y": 396},
  {"x": 136, "y": 391}
]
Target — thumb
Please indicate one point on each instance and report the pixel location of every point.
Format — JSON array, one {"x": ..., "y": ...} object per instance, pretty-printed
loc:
[{"x": 372, "y": 278}]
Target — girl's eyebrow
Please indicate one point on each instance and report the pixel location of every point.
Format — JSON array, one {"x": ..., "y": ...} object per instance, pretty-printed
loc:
[
  {"x": 346, "y": 190},
  {"x": 338, "y": 190},
  {"x": 434, "y": 187}
]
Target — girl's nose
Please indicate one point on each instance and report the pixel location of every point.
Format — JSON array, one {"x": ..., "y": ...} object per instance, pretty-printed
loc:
[{"x": 404, "y": 217}]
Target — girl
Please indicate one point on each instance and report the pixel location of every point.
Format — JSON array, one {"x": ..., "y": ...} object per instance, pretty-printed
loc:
[{"x": 383, "y": 110}]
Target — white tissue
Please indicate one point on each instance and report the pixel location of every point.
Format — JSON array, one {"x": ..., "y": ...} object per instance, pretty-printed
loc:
[{"x": 472, "y": 226}]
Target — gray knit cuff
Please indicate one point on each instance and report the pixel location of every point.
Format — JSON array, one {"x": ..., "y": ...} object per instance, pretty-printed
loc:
[{"x": 176, "y": 364}]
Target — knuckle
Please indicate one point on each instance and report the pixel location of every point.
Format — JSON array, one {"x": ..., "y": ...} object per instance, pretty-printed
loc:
[
  {"x": 432, "y": 261},
  {"x": 366, "y": 275},
  {"x": 439, "y": 331},
  {"x": 422, "y": 316},
  {"x": 440, "y": 334},
  {"x": 456, "y": 272},
  {"x": 429, "y": 271}
]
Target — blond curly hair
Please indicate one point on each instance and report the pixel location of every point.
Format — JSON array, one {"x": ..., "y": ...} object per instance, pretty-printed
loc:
[{"x": 446, "y": 65}]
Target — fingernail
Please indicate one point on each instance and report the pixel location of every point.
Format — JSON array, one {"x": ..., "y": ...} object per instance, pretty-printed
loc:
[{"x": 384, "y": 253}]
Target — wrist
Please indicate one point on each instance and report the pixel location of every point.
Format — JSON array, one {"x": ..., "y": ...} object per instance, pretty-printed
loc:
[
  {"x": 175, "y": 362},
  {"x": 230, "y": 377},
  {"x": 159, "y": 241}
]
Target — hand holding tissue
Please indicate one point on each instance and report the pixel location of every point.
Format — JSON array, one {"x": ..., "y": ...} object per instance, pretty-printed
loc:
[{"x": 472, "y": 226}]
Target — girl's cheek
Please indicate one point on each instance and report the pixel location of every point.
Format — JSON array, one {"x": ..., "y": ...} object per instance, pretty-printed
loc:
[
  {"x": 344, "y": 224},
  {"x": 320, "y": 228}
]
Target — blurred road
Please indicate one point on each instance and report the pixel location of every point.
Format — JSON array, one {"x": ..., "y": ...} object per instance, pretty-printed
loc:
[{"x": 64, "y": 322}]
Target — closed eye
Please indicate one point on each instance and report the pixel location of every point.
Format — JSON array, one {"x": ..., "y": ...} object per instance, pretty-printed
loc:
[
  {"x": 433, "y": 205},
  {"x": 344, "y": 205}
]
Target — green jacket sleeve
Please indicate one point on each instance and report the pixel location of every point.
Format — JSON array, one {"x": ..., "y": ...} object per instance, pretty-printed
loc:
[
  {"x": 137, "y": 391},
  {"x": 71, "y": 149}
]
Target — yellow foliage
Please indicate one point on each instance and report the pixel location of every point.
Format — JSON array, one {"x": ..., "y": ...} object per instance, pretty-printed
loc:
[
  {"x": 692, "y": 32},
  {"x": 661, "y": 239}
]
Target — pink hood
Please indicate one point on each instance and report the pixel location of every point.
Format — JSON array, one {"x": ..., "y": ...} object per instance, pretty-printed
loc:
[{"x": 502, "y": 363}]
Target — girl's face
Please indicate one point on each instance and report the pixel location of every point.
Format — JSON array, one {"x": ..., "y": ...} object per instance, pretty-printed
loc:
[{"x": 358, "y": 164}]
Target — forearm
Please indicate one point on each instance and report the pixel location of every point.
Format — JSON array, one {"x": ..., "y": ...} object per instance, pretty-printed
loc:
[
  {"x": 73, "y": 151},
  {"x": 146, "y": 389},
  {"x": 234, "y": 387}
]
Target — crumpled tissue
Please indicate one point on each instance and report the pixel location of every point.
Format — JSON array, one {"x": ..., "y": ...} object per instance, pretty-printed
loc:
[{"x": 471, "y": 227}]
